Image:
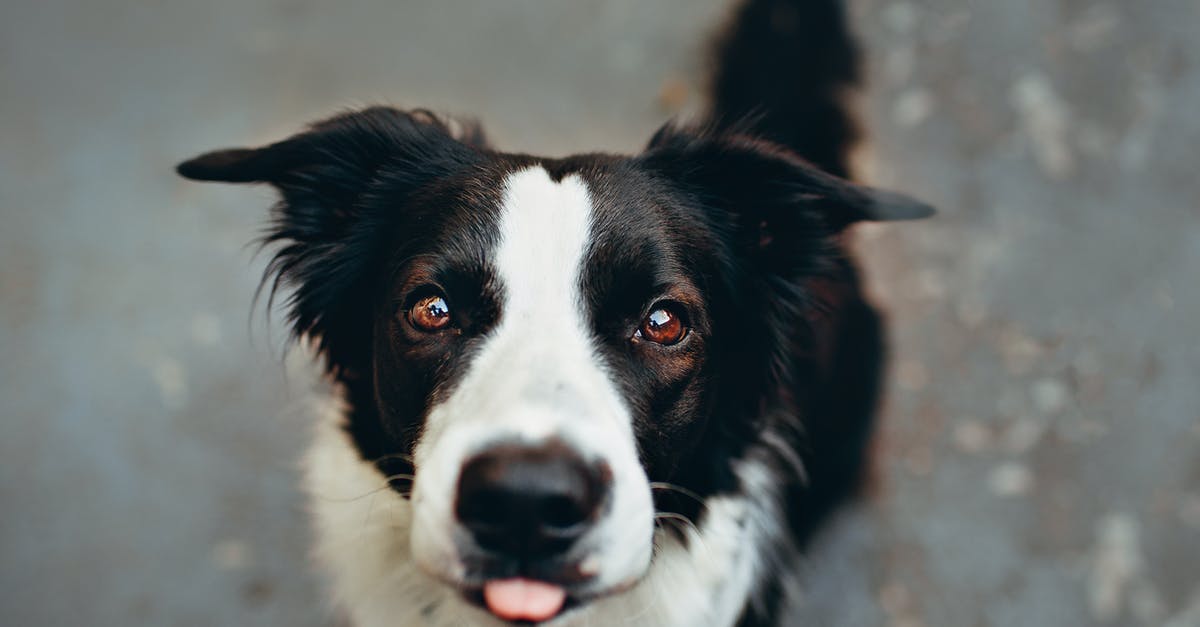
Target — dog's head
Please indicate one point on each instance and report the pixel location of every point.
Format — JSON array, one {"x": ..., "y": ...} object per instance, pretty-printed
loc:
[{"x": 533, "y": 346}]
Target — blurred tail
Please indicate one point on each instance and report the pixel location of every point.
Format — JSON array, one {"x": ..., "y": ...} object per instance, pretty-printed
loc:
[{"x": 784, "y": 72}]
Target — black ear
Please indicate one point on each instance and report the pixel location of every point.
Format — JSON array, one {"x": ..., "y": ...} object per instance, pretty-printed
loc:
[
  {"x": 327, "y": 227},
  {"x": 770, "y": 188},
  {"x": 337, "y": 157}
]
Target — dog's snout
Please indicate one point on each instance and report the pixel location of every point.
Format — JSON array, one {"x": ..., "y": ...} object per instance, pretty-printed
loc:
[{"x": 530, "y": 501}]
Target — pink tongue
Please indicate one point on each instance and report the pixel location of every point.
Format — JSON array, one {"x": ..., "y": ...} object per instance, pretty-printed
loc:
[{"x": 523, "y": 599}]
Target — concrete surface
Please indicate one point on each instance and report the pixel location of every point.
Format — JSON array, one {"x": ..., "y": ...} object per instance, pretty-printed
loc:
[{"x": 1040, "y": 459}]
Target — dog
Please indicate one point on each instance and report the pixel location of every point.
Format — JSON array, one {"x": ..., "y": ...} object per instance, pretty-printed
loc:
[{"x": 593, "y": 390}]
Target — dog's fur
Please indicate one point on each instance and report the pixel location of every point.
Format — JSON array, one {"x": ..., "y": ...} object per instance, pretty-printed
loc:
[{"x": 724, "y": 452}]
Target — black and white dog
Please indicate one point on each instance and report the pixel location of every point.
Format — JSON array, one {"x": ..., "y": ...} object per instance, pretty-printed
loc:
[{"x": 598, "y": 390}]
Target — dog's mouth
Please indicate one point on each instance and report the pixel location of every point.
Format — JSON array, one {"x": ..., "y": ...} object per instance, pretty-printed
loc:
[{"x": 522, "y": 601}]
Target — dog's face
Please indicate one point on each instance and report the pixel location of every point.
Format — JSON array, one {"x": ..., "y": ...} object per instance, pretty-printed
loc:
[
  {"x": 528, "y": 345},
  {"x": 535, "y": 347}
]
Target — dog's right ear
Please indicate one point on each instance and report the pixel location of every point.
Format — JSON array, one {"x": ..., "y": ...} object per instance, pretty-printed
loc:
[{"x": 328, "y": 232}]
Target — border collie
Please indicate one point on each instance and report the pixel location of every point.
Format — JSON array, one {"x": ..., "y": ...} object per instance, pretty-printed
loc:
[{"x": 595, "y": 390}]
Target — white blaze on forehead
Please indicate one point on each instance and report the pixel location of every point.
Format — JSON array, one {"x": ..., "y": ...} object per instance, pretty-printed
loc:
[
  {"x": 540, "y": 360},
  {"x": 544, "y": 231}
]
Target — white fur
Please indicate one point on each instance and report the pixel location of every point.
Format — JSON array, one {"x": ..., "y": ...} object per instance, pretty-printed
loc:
[{"x": 535, "y": 376}]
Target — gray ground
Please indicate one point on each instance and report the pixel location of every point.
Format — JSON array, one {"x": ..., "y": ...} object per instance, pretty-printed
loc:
[{"x": 1040, "y": 455}]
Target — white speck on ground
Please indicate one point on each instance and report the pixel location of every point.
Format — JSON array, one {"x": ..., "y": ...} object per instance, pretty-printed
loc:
[
  {"x": 1050, "y": 396},
  {"x": 913, "y": 107},
  {"x": 1116, "y": 562},
  {"x": 1044, "y": 120},
  {"x": 1010, "y": 479},
  {"x": 168, "y": 374}
]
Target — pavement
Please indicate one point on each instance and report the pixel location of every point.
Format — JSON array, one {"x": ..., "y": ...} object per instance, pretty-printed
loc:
[{"x": 1039, "y": 455}]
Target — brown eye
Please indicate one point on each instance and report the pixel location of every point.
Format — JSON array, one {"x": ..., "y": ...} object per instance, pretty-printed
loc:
[
  {"x": 430, "y": 313},
  {"x": 662, "y": 326}
]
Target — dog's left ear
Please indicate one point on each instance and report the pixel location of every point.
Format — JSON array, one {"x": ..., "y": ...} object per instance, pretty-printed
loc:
[{"x": 774, "y": 195}]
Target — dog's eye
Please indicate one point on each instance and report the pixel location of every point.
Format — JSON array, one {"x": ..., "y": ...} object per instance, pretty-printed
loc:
[
  {"x": 662, "y": 326},
  {"x": 430, "y": 313}
]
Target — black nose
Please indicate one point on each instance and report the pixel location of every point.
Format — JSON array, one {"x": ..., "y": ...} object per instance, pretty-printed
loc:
[{"x": 530, "y": 502}]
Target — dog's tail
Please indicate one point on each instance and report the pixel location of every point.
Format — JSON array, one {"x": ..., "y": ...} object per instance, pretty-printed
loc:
[{"x": 784, "y": 71}]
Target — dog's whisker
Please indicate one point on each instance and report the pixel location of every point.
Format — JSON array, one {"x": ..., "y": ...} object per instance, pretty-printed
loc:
[
  {"x": 404, "y": 457},
  {"x": 678, "y": 517},
  {"x": 370, "y": 510},
  {"x": 386, "y": 486},
  {"x": 687, "y": 525},
  {"x": 678, "y": 489},
  {"x": 351, "y": 499}
]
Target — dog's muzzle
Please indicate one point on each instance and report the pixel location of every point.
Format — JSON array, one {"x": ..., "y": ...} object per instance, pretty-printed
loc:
[{"x": 525, "y": 508}]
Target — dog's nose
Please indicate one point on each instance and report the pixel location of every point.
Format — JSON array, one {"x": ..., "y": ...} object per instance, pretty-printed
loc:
[{"x": 530, "y": 502}]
